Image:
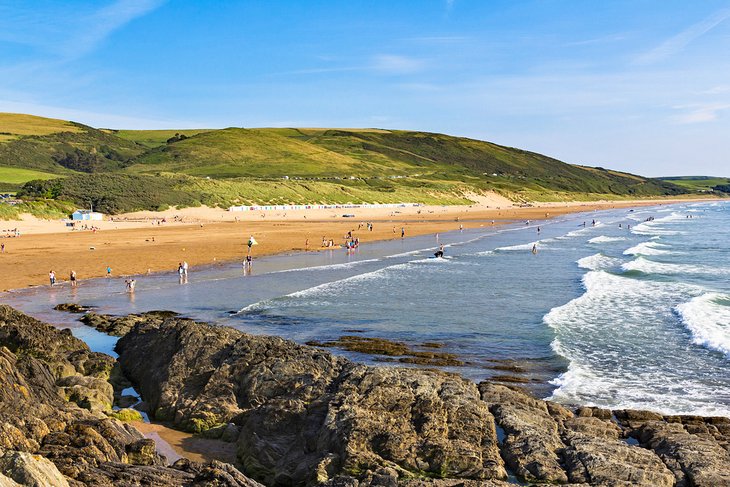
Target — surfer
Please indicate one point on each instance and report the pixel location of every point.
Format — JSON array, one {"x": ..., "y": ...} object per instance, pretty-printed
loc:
[{"x": 534, "y": 248}]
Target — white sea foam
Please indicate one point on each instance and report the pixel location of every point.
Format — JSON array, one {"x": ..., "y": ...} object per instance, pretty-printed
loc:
[
  {"x": 326, "y": 289},
  {"x": 604, "y": 239},
  {"x": 328, "y": 267},
  {"x": 648, "y": 266},
  {"x": 517, "y": 248},
  {"x": 648, "y": 248},
  {"x": 608, "y": 332},
  {"x": 597, "y": 262},
  {"x": 657, "y": 226},
  {"x": 707, "y": 317},
  {"x": 581, "y": 384}
]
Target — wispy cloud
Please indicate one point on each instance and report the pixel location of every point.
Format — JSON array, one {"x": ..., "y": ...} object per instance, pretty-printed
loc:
[
  {"x": 102, "y": 23},
  {"x": 389, "y": 64},
  {"x": 93, "y": 118},
  {"x": 68, "y": 33},
  {"x": 393, "y": 64},
  {"x": 599, "y": 40},
  {"x": 678, "y": 42},
  {"x": 439, "y": 39},
  {"x": 700, "y": 113}
]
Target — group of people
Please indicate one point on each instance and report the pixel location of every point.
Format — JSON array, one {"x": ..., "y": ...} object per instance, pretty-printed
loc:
[{"x": 71, "y": 278}]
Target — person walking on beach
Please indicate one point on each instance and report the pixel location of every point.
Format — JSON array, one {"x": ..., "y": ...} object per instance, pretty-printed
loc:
[
  {"x": 108, "y": 271},
  {"x": 52, "y": 277},
  {"x": 2, "y": 248},
  {"x": 72, "y": 278},
  {"x": 251, "y": 243},
  {"x": 402, "y": 232},
  {"x": 185, "y": 268}
]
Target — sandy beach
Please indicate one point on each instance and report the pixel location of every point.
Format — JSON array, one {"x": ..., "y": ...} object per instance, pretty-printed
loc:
[{"x": 150, "y": 242}]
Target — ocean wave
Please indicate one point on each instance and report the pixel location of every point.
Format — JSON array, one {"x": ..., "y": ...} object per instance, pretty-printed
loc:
[
  {"x": 614, "y": 338},
  {"x": 648, "y": 248},
  {"x": 327, "y": 267},
  {"x": 580, "y": 384},
  {"x": 597, "y": 262},
  {"x": 328, "y": 289},
  {"x": 707, "y": 317},
  {"x": 657, "y": 226},
  {"x": 648, "y": 266},
  {"x": 605, "y": 239},
  {"x": 519, "y": 247}
]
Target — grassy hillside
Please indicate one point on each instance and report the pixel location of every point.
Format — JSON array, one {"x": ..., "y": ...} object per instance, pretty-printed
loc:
[
  {"x": 700, "y": 184},
  {"x": 16, "y": 125},
  {"x": 153, "y": 138},
  {"x": 236, "y": 165},
  {"x": 322, "y": 153},
  {"x": 72, "y": 148}
]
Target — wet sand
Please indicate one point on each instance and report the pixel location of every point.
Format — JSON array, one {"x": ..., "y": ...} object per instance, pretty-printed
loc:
[
  {"x": 176, "y": 444},
  {"x": 139, "y": 245}
]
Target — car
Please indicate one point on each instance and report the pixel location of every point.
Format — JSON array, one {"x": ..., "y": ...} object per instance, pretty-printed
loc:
[{"x": 348, "y": 215}]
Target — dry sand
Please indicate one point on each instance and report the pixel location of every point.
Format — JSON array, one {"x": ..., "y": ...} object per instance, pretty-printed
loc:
[{"x": 138, "y": 243}]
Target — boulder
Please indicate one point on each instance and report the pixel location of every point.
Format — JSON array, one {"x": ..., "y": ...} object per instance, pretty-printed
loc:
[
  {"x": 305, "y": 415},
  {"x": 31, "y": 470}
]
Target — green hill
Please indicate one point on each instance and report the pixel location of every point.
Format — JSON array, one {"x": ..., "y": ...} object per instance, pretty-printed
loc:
[
  {"x": 236, "y": 165},
  {"x": 699, "y": 184}
]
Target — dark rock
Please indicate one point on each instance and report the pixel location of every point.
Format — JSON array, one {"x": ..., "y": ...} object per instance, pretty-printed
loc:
[
  {"x": 696, "y": 458},
  {"x": 31, "y": 470},
  {"x": 47, "y": 440},
  {"x": 127, "y": 401},
  {"x": 306, "y": 415},
  {"x": 71, "y": 308},
  {"x": 390, "y": 348},
  {"x": 532, "y": 445}
]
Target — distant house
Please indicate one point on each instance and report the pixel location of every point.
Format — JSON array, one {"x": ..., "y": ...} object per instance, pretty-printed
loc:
[{"x": 79, "y": 215}]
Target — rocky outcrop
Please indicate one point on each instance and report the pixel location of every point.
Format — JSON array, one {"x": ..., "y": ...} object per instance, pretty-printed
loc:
[
  {"x": 696, "y": 450},
  {"x": 121, "y": 325},
  {"x": 545, "y": 442},
  {"x": 31, "y": 470},
  {"x": 306, "y": 416},
  {"x": 52, "y": 428}
]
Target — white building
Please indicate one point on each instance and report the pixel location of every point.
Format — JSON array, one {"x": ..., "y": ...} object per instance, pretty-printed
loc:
[{"x": 79, "y": 215}]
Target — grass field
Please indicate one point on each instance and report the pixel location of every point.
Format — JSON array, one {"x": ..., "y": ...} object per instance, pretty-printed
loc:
[
  {"x": 698, "y": 183},
  {"x": 13, "y": 125},
  {"x": 14, "y": 175}
]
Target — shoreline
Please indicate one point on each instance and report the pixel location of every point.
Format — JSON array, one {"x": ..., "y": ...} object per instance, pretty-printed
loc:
[{"x": 134, "y": 245}]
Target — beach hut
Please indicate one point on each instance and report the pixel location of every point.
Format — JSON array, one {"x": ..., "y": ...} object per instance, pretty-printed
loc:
[{"x": 81, "y": 215}]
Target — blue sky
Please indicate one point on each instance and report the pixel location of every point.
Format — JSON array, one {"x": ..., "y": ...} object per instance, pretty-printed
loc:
[{"x": 642, "y": 86}]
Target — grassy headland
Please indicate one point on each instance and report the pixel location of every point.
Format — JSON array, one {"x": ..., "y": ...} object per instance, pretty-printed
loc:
[{"x": 126, "y": 170}]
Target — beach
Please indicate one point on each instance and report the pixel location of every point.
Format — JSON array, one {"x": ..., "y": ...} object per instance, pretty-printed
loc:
[
  {"x": 151, "y": 242},
  {"x": 555, "y": 324}
]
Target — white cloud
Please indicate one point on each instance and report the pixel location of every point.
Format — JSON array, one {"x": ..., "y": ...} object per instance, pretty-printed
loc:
[
  {"x": 68, "y": 32},
  {"x": 95, "y": 119},
  {"x": 700, "y": 113},
  {"x": 678, "y": 42},
  {"x": 392, "y": 64}
]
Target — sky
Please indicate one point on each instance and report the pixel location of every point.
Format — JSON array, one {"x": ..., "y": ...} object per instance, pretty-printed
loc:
[{"x": 636, "y": 85}]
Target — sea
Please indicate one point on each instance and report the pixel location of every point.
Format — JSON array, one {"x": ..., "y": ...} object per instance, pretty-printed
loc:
[{"x": 621, "y": 308}]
